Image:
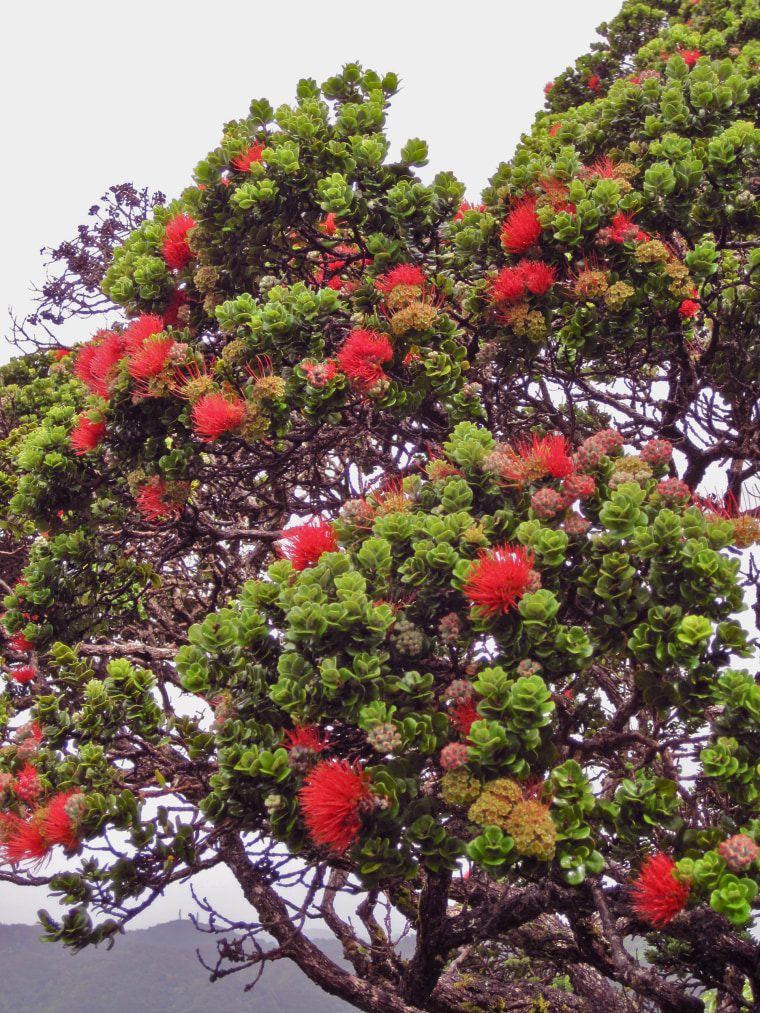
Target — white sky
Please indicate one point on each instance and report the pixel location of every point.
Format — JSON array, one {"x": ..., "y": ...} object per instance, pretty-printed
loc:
[{"x": 96, "y": 93}]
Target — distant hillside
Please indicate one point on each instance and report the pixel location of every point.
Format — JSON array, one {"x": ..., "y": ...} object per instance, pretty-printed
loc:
[{"x": 154, "y": 969}]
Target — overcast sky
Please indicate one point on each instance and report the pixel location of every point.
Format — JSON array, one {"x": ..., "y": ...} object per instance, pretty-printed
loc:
[{"x": 98, "y": 93}]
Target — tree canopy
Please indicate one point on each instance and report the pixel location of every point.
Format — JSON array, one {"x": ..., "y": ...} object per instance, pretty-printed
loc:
[{"x": 391, "y": 551}]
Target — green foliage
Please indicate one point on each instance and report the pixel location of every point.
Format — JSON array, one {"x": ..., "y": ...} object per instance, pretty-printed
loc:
[{"x": 500, "y": 640}]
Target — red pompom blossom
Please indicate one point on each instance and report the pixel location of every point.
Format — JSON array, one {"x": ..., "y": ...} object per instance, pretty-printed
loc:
[
  {"x": 176, "y": 302},
  {"x": 141, "y": 329},
  {"x": 23, "y": 674},
  {"x": 499, "y": 578},
  {"x": 508, "y": 287},
  {"x": 306, "y": 737},
  {"x": 176, "y": 249},
  {"x": 464, "y": 715},
  {"x": 539, "y": 277},
  {"x": 150, "y": 360},
  {"x": 86, "y": 435},
  {"x": 304, "y": 545},
  {"x": 362, "y": 356},
  {"x": 155, "y": 499},
  {"x": 466, "y": 206},
  {"x": 552, "y": 452},
  {"x": 59, "y": 824},
  {"x": 245, "y": 159},
  {"x": 603, "y": 168},
  {"x": 332, "y": 800},
  {"x": 658, "y": 896},
  {"x": 319, "y": 374},
  {"x": 19, "y": 642},
  {"x": 405, "y": 274},
  {"x": 690, "y": 56},
  {"x": 593, "y": 82},
  {"x": 622, "y": 229},
  {"x": 522, "y": 228},
  {"x": 688, "y": 309},
  {"x": 97, "y": 364},
  {"x": 85, "y": 355},
  {"x": 214, "y": 415},
  {"x": 328, "y": 226},
  {"x": 21, "y": 839},
  {"x": 531, "y": 461},
  {"x": 28, "y": 784},
  {"x": 104, "y": 365}
]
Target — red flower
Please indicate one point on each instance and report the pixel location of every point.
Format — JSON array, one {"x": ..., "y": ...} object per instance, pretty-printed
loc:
[
  {"x": 555, "y": 129},
  {"x": 178, "y": 228},
  {"x": 23, "y": 674},
  {"x": 245, "y": 159},
  {"x": 548, "y": 87},
  {"x": 332, "y": 799},
  {"x": 86, "y": 435},
  {"x": 155, "y": 500},
  {"x": 552, "y": 452},
  {"x": 593, "y": 82},
  {"x": 623, "y": 229},
  {"x": 307, "y": 737},
  {"x": 658, "y": 895},
  {"x": 499, "y": 578},
  {"x": 98, "y": 362},
  {"x": 328, "y": 225},
  {"x": 361, "y": 358},
  {"x": 22, "y": 839},
  {"x": 538, "y": 276},
  {"x": 319, "y": 373},
  {"x": 603, "y": 168},
  {"x": 151, "y": 359},
  {"x": 61, "y": 353},
  {"x": 214, "y": 415},
  {"x": 688, "y": 309},
  {"x": 405, "y": 274},
  {"x": 304, "y": 545},
  {"x": 522, "y": 228},
  {"x": 464, "y": 715},
  {"x": 85, "y": 356},
  {"x": 529, "y": 461},
  {"x": 508, "y": 287},
  {"x": 176, "y": 302},
  {"x": 467, "y": 206},
  {"x": 28, "y": 784},
  {"x": 176, "y": 249},
  {"x": 690, "y": 56},
  {"x": 19, "y": 642},
  {"x": 59, "y": 821},
  {"x": 141, "y": 329},
  {"x": 104, "y": 366}
]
